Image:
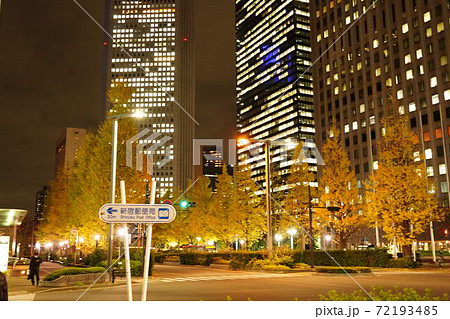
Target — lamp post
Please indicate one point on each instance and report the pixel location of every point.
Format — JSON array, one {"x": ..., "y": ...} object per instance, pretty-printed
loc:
[
  {"x": 115, "y": 130},
  {"x": 278, "y": 239},
  {"x": 311, "y": 236},
  {"x": 97, "y": 239},
  {"x": 292, "y": 232},
  {"x": 327, "y": 240},
  {"x": 244, "y": 141}
]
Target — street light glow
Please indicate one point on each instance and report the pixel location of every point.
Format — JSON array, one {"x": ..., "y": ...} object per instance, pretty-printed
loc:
[
  {"x": 122, "y": 231},
  {"x": 81, "y": 240},
  {"x": 328, "y": 237},
  {"x": 292, "y": 231},
  {"x": 97, "y": 237},
  {"x": 278, "y": 237}
]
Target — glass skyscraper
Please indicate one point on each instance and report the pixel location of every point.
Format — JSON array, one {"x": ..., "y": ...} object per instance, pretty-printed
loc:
[
  {"x": 274, "y": 85},
  {"x": 153, "y": 54}
]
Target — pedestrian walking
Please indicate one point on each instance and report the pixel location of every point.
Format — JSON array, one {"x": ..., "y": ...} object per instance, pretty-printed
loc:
[
  {"x": 35, "y": 263},
  {"x": 3, "y": 287}
]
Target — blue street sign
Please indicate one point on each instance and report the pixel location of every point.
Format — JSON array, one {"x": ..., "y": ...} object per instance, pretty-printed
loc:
[{"x": 137, "y": 213}]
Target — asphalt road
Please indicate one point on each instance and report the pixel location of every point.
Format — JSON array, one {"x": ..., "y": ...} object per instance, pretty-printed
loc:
[{"x": 201, "y": 283}]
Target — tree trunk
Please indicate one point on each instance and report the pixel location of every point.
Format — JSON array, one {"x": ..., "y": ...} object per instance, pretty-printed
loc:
[
  {"x": 342, "y": 244},
  {"x": 407, "y": 250}
]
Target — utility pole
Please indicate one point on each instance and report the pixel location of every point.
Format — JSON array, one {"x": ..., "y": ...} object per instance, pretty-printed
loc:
[
  {"x": 311, "y": 234},
  {"x": 268, "y": 198}
]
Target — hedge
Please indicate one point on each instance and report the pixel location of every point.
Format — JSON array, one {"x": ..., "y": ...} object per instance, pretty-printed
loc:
[
  {"x": 379, "y": 294},
  {"x": 343, "y": 270},
  {"x": 206, "y": 259},
  {"x": 402, "y": 263},
  {"x": 345, "y": 258},
  {"x": 351, "y": 258},
  {"x": 73, "y": 271}
]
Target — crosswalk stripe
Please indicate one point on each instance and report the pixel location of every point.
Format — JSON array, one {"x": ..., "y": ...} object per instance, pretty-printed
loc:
[{"x": 230, "y": 277}]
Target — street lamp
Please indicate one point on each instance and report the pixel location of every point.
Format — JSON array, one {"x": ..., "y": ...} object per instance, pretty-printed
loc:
[
  {"x": 245, "y": 141},
  {"x": 97, "y": 239},
  {"x": 278, "y": 239},
  {"x": 292, "y": 232},
  {"x": 48, "y": 247},
  {"x": 116, "y": 118},
  {"x": 121, "y": 232},
  {"x": 327, "y": 239},
  {"x": 311, "y": 236}
]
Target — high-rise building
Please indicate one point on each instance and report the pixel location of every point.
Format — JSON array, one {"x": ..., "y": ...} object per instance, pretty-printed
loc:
[
  {"x": 67, "y": 147},
  {"x": 41, "y": 197},
  {"x": 212, "y": 162},
  {"x": 395, "y": 50},
  {"x": 274, "y": 85},
  {"x": 152, "y": 52}
]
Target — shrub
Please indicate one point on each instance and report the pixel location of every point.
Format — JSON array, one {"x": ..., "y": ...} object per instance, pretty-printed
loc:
[
  {"x": 402, "y": 263},
  {"x": 137, "y": 267},
  {"x": 173, "y": 259},
  {"x": 379, "y": 294},
  {"x": 103, "y": 263},
  {"x": 339, "y": 270},
  {"x": 235, "y": 264},
  {"x": 97, "y": 256},
  {"x": 73, "y": 271},
  {"x": 276, "y": 263},
  {"x": 220, "y": 261},
  {"x": 430, "y": 253},
  {"x": 352, "y": 258},
  {"x": 137, "y": 254},
  {"x": 159, "y": 258},
  {"x": 275, "y": 268},
  {"x": 301, "y": 266},
  {"x": 203, "y": 259}
]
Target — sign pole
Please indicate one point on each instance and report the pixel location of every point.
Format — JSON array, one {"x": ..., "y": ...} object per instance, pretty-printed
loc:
[
  {"x": 126, "y": 246},
  {"x": 148, "y": 246}
]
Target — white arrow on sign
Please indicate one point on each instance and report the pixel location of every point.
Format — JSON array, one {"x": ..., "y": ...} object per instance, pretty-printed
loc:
[{"x": 137, "y": 213}]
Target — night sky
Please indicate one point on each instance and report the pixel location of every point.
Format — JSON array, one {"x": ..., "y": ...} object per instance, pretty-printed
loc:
[{"x": 50, "y": 79}]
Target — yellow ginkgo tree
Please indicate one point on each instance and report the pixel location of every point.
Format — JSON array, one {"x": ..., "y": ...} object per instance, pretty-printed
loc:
[
  {"x": 400, "y": 197},
  {"x": 338, "y": 188}
]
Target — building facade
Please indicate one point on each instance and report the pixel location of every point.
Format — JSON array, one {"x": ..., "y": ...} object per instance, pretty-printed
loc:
[
  {"x": 393, "y": 51},
  {"x": 274, "y": 83},
  {"x": 67, "y": 147},
  {"x": 152, "y": 52},
  {"x": 41, "y": 199}
]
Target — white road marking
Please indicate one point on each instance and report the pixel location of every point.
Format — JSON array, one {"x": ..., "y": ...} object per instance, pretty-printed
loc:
[
  {"x": 22, "y": 297},
  {"x": 213, "y": 278}
]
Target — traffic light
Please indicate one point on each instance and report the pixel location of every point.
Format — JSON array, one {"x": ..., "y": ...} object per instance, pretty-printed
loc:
[{"x": 185, "y": 204}]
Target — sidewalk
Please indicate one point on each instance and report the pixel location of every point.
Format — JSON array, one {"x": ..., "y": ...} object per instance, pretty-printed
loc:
[{"x": 18, "y": 286}]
